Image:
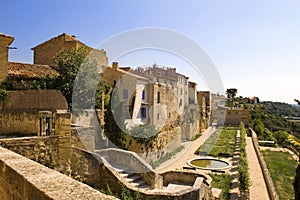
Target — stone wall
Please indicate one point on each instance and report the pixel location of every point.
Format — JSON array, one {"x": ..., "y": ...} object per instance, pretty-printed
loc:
[
  {"x": 25, "y": 123},
  {"x": 192, "y": 178},
  {"x": 270, "y": 186},
  {"x": 51, "y": 151},
  {"x": 96, "y": 171},
  {"x": 83, "y": 138},
  {"x": 132, "y": 161},
  {"x": 166, "y": 141},
  {"x": 46, "y": 52},
  {"x": 5, "y": 41},
  {"x": 21, "y": 178},
  {"x": 19, "y": 112}
]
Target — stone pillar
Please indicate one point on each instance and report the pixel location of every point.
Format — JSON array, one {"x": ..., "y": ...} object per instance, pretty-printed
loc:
[
  {"x": 63, "y": 123},
  {"x": 5, "y": 41}
]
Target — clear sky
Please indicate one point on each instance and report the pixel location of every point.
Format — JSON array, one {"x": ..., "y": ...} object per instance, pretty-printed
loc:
[{"x": 255, "y": 45}]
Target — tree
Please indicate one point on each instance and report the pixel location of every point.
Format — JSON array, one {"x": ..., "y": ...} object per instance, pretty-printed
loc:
[
  {"x": 231, "y": 92},
  {"x": 297, "y": 101},
  {"x": 69, "y": 63},
  {"x": 282, "y": 137}
]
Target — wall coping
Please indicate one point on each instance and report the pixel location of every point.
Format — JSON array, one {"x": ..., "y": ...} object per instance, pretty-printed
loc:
[
  {"x": 270, "y": 186},
  {"x": 45, "y": 181}
]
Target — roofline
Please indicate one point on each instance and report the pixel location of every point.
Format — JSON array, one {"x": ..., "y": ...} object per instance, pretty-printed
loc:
[{"x": 33, "y": 48}]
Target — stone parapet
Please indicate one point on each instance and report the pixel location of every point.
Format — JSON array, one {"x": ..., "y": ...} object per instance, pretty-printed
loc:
[{"x": 22, "y": 178}]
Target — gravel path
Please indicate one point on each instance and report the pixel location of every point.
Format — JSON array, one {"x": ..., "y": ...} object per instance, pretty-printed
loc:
[{"x": 258, "y": 188}]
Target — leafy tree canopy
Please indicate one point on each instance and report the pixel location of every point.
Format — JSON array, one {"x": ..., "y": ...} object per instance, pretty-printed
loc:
[
  {"x": 231, "y": 92},
  {"x": 69, "y": 63}
]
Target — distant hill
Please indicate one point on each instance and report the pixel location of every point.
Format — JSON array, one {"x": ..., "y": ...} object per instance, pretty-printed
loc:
[{"x": 282, "y": 109}]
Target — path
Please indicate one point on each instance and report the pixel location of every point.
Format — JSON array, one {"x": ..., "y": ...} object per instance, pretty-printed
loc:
[
  {"x": 182, "y": 157},
  {"x": 258, "y": 188}
]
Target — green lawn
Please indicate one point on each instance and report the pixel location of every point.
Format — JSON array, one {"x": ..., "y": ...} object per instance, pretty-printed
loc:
[
  {"x": 225, "y": 144},
  {"x": 222, "y": 181},
  {"x": 282, "y": 168}
]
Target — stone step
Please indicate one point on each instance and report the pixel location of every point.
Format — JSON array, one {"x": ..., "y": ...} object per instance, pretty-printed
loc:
[
  {"x": 124, "y": 175},
  {"x": 134, "y": 178},
  {"x": 140, "y": 183}
]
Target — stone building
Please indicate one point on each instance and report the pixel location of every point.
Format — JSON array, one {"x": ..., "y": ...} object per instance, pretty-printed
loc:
[
  {"x": 33, "y": 112},
  {"x": 183, "y": 91},
  {"x": 144, "y": 101},
  {"x": 5, "y": 41},
  {"x": 204, "y": 102},
  {"x": 218, "y": 100},
  {"x": 45, "y": 52},
  {"x": 230, "y": 117},
  {"x": 169, "y": 77}
]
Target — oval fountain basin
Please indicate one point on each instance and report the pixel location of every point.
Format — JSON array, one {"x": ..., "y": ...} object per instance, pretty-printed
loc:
[{"x": 209, "y": 163}]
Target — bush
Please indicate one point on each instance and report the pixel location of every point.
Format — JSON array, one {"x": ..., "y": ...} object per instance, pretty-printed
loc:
[
  {"x": 244, "y": 179},
  {"x": 144, "y": 133},
  {"x": 3, "y": 94}
]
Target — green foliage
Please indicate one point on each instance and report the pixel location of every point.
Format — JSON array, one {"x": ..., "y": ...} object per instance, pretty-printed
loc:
[
  {"x": 258, "y": 126},
  {"x": 231, "y": 92},
  {"x": 222, "y": 182},
  {"x": 263, "y": 119},
  {"x": 115, "y": 126},
  {"x": 225, "y": 144},
  {"x": 42, "y": 83},
  {"x": 166, "y": 157},
  {"x": 282, "y": 168},
  {"x": 125, "y": 193},
  {"x": 243, "y": 177},
  {"x": 102, "y": 89},
  {"x": 3, "y": 94},
  {"x": 197, "y": 136},
  {"x": 144, "y": 133},
  {"x": 69, "y": 63},
  {"x": 209, "y": 143},
  {"x": 296, "y": 183},
  {"x": 281, "y": 109}
]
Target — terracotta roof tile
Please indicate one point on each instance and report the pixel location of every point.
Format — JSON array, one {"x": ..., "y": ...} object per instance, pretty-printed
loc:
[{"x": 24, "y": 70}]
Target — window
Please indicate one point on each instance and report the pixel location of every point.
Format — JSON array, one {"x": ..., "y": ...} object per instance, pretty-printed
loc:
[
  {"x": 180, "y": 91},
  {"x": 158, "y": 97},
  {"x": 125, "y": 94},
  {"x": 143, "y": 95},
  {"x": 157, "y": 115},
  {"x": 180, "y": 103},
  {"x": 143, "y": 112}
]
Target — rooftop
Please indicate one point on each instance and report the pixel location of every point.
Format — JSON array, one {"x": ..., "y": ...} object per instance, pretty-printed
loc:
[{"x": 30, "y": 71}]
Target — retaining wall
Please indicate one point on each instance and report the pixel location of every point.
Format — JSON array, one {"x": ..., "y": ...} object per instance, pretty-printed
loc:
[
  {"x": 270, "y": 186},
  {"x": 22, "y": 178}
]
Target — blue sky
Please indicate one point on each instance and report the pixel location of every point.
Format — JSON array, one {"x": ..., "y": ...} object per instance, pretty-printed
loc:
[{"x": 255, "y": 45}]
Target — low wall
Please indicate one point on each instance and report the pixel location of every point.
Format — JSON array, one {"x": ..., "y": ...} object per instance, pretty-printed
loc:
[
  {"x": 134, "y": 162},
  {"x": 83, "y": 138},
  {"x": 270, "y": 186},
  {"x": 51, "y": 151},
  {"x": 191, "y": 178},
  {"x": 165, "y": 142},
  {"x": 22, "y": 178},
  {"x": 97, "y": 171},
  {"x": 26, "y": 123}
]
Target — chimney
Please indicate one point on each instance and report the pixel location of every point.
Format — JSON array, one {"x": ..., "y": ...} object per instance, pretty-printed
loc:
[
  {"x": 115, "y": 65},
  {"x": 5, "y": 41}
]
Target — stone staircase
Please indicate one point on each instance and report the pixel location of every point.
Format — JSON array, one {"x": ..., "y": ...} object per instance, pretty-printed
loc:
[{"x": 132, "y": 178}]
